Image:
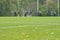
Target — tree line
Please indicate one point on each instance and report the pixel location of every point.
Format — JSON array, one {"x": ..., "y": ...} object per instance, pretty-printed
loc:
[{"x": 29, "y": 8}]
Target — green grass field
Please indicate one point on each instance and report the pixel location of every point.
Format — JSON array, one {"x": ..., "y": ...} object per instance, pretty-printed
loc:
[{"x": 29, "y": 28}]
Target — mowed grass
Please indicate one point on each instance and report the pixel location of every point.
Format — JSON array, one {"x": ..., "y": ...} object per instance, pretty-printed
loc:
[{"x": 29, "y": 28}]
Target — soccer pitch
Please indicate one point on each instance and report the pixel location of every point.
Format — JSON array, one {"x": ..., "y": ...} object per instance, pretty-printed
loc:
[{"x": 29, "y": 28}]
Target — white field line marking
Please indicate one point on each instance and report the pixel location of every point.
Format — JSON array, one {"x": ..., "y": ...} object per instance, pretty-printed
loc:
[
  {"x": 11, "y": 27},
  {"x": 27, "y": 25},
  {"x": 51, "y": 29},
  {"x": 30, "y": 23},
  {"x": 23, "y": 26},
  {"x": 5, "y": 27}
]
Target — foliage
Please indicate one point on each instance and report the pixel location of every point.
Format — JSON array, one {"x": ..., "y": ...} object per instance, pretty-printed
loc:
[{"x": 8, "y": 7}]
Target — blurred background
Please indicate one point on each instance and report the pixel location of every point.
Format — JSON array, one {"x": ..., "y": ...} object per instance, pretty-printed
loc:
[{"x": 29, "y": 8}]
